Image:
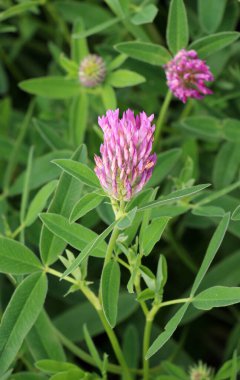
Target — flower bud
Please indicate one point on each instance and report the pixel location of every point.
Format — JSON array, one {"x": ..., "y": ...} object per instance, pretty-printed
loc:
[{"x": 92, "y": 71}]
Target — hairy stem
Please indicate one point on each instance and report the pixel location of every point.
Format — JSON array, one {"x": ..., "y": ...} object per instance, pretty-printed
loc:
[{"x": 111, "y": 246}]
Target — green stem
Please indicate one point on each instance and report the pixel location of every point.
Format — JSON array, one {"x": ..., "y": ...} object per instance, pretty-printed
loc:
[
  {"x": 81, "y": 354},
  {"x": 94, "y": 300},
  {"x": 115, "y": 345},
  {"x": 174, "y": 302},
  {"x": 146, "y": 339},
  {"x": 146, "y": 343},
  {"x": 111, "y": 246},
  {"x": 161, "y": 118}
]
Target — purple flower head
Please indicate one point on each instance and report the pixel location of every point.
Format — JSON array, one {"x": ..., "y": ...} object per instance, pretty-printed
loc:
[
  {"x": 187, "y": 74},
  {"x": 126, "y": 162},
  {"x": 92, "y": 71}
]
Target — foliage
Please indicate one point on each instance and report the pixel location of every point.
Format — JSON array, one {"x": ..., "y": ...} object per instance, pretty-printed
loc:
[{"x": 92, "y": 288}]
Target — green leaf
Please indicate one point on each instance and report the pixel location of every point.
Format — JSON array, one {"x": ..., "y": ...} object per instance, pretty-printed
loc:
[
  {"x": 108, "y": 97},
  {"x": 110, "y": 285},
  {"x": 78, "y": 315},
  {"x": 212, "y": 249},
  {"x": 226, "y": 370},
  {"x": 43, "y": 170},
  {"x": 127, "y": 220},
  {"x": 236, "y": 213},
  {"x": 15, "y": 258},
  {"x": 18, "y": 9},
  {"x": 146, "y": 52},
  {"x": 146, "y": 15},
  {"x": 43, "y": 341},
  {"x": 20, "y": 315},
  {"x": 162, "y": 273},
  {"x": 169, "y": 329},
  {"x": 50, "y": 134},
  {"x": 177, "y": 26},
  {"x": 27, "y": 376},
  {"x": 67, "y": 193},
  {"x": 97, "y": 29},
  {"x": 54, "y": 366},
  {"x": 79, "y": 171},
  {"x": 79, "y": 118},
  {"x": 174, "y": 370},
  {"x": 211, "y": 14},
  {"x": 165, "y": 163},
  {"x": 39, "y": 202},
  {"x": 52, "y": 87},
  {"x": 226, "y": 165},
  {"x": 209, "y": 211},
  {"x": 87, "y": 203},
  {"x": 89, "y": 248},
  {"x": 92, "y": 348},
  {"x": 231, "y": 130},
  {"x": 208, "y": 45},
  {"x": 146, "y": 295},
  {"x": 131, "y": 346},
  {"x": 79, "y": 46},
  {"x": 176, "y": 195},
  {"x": 124, "y": 78},
  {"x": 72, "y": 374},
  {"x": 74, "y": 234},
  {"x": 217, "y": 296},
  {"x": 205, "y": 127},
  {"x": 152, "y": 234}
]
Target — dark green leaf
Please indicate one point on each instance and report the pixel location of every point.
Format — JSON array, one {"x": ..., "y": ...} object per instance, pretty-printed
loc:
[
  {"x": 51, "y": 87},
  {"x": 176, "y": 195},
  {"x": 124, "y": 78},
  {"x": 16, "y": 258},
  {"x": 110, "y": 285},
  {"x": 146, "y": 52},
  {"x": 39, "y": 202},
  {"x": 212, "y": 249},
  {"x": 87, "y": 203},
  {"x": 211, "y": 14},
  {"x": 146, "y": 15},
  {"x": 208, "y": 45},
  {"x": 78, "y": 315},
  {"x": 66, "y": 195},
  {"x": 20, "y": 315},
  {"x": 54, "y": 366},
  {"x": 152, "y": 234},
  {"x": 43, "y": 341},
  {"x": 79, "y": 171},
  {"x": 74, "y": 234},
  {"x": 169, "y": 329},
  {"x": 205, "y": 127},
  {"x": 177, "y": 26},
  {"x": 218, "y": 296},
  {"x": 94, "y": 244},
  {"x": 165, "y": 163}
]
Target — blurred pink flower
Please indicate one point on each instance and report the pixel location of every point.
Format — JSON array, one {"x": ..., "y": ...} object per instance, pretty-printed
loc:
[
  {"x": 187, "y": 74},
  {"x": 126, "y": 162},
  {"x": 92, "y": 71}
]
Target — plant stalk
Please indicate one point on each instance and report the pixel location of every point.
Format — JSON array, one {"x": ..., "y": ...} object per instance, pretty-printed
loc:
[{"x": 161, "y": 118}]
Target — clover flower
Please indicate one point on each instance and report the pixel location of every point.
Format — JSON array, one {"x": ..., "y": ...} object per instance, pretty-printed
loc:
[
  {"x": 92, "y": 71},
  {"x": 187, "y": 74},
  {"x": 200, "y": 371},
  {"x": 126, "y": 162}
]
